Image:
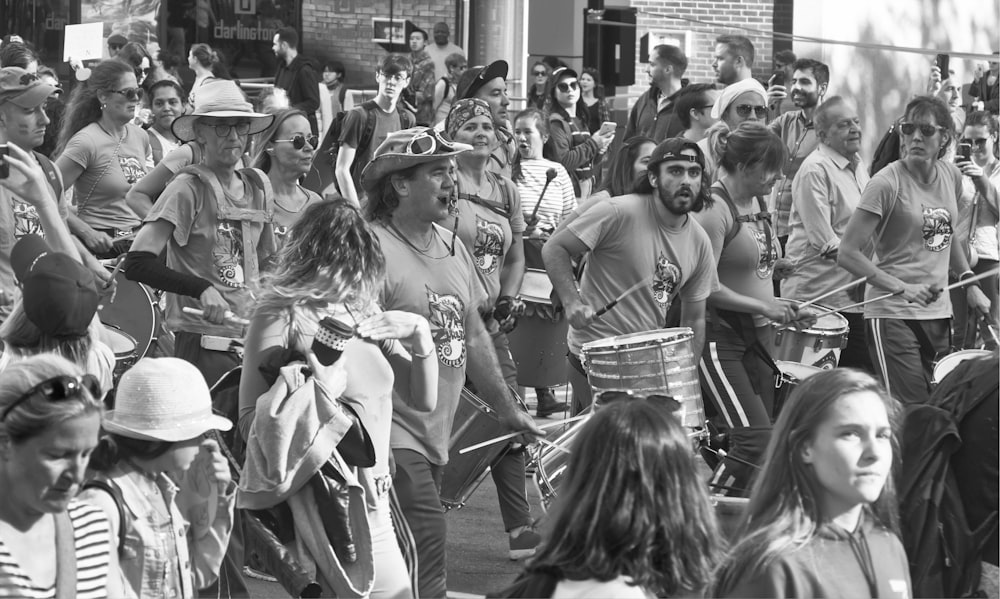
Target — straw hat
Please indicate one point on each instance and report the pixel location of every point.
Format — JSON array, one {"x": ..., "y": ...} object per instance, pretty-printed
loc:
[
  {"x": 407, "y": 148},
  {"x": 220, "y": 99},
  {"x": 163, "y": 399}
]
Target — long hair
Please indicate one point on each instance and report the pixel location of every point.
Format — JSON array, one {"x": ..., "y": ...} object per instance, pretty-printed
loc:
[
  {"x": 383, "y": 200},
  {"x": 596, "y": 76},
  {"x": 24, "y": 337},
  {"x": 748, "y": 145},
  {"x": 620, "y": 180},
  {"x": 552, "y": 105},
  {"x": 784, "y": 508},
  {"x": 34, "y": 416},
  {"x": 84, "y": 107},
  {"x": 936, "y": 108},
  {"x": 542, "y": 124},
  {"x": 330, "y": 256},
  {"x": 982, "y": 118},
  {"x": 260, "y": 158},
  {"x": 632, "y": 504}
]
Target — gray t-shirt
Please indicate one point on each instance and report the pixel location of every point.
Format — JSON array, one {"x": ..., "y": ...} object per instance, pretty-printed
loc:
[{"x": 354, "y": 126}]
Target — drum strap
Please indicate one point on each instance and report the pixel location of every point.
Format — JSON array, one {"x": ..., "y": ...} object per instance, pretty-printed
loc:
[{"x": 742, "y": 323}]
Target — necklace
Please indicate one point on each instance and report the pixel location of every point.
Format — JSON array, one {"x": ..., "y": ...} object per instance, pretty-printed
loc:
[
  {"x": 112, "y": 135},
  {"x": 300, "y": 207},
  {"x": 426, "y": 251}
]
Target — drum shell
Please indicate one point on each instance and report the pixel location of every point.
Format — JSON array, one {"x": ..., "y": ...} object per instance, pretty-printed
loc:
[
  {"x": 948, "y": 363},
  {"x": 135, "y": 311},
  {"x": 124, "y": 347},
  {"x": 538, "y": 343},
  {"x": 814, "y": 346},
  {"x": 551, "y": 463},
  {"x": 658, "y": 362},
  {"x": 792, "y": 373}
]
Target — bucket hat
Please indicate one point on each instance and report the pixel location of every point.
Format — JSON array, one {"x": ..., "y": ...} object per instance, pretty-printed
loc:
[
  {"x": 220, "y": 99},
  {"x": 407, "y": 148},
  {"x": 163, "y": 399}
]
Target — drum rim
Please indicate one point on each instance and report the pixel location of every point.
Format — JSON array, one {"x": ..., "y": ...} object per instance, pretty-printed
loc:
[
  {"x": 781, "y": 363},
  {"x": 120, "y": 333},
  {"x": 151, "y": 335},
  {"x": 679, "y": 334},
  {"x": 945, "y": 360}
]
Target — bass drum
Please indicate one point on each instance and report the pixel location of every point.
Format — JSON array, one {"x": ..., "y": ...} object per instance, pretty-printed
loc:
[{"x": 135, "y": 311}]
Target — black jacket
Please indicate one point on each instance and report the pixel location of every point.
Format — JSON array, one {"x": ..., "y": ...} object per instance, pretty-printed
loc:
[{"x": 300, "y": 80}]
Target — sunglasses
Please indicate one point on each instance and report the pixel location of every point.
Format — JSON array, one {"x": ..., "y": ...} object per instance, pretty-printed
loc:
[
  {"x": 744, "y": 110},
  {"x": 428, "y": 142},
  {"x": 115, "y": 46},
  {"x": 143, "y": 71},
  {"x": 538, "y": 73},
  {"x": 979, "y": 143},
  {"x": 130, "y": 93},
  {"x": 58, "y": 389},
  {"x": 300, "y": 141},
  {"x": 565, "y": 86},
  {"x": 224, "y": 130},
  {"x": 925, "y": 130}
]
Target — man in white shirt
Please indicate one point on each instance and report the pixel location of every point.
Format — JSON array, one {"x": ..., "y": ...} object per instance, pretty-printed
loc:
[{"x": 441, "y": 48}]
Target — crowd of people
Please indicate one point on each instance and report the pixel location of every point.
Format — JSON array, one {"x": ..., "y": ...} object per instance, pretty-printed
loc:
[{"x": 325, "y": 336}]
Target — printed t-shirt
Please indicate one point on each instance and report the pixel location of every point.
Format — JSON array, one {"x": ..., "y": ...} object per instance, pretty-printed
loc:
[
  {"x": 204, "y": 246},
  {"x": 628, "y": 242},
  {"x": 446, "y": 291},
  {"x": 109, "y": 171},
  {"x": 284, "y": 219},
  {"x": 915, "y": 246}
]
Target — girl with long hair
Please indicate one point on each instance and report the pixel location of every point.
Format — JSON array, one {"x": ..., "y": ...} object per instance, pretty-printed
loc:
[
  {"x": 332, "y": 266},
  {"x": 632, "y": 518},
  {"x": 822, "y": 519},
  {"x": 592, "y": 96},
  {"x": 539, "y": 78},
  {"x": 102, "y": 153}
]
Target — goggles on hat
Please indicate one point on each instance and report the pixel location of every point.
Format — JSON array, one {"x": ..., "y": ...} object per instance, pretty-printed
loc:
[
  {"x": 428, "y": 142},
  {"x": 58, "y": 389}
]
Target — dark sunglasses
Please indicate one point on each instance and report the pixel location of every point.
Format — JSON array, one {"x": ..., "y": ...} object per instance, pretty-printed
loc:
[
  {"x": 565, "y": 86},
  {"x": 925, "y": 130},
  {"x": 539, "y": 73},
  {"x": 427, "y": 143},
  {"x": 58, "y": 389},
  {"x": 130, "y": 93},
  {"x": 299, "y": 141},
  {"x": 979, "y": 143},
  {"x": 142, "y": 71},
  {"x": 744, "y": 110},
  {"x": 115, "y": 46},
  {"x": 223, "y": 130}
]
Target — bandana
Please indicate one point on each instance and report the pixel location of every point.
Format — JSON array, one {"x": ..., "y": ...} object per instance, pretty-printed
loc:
[{"x": 463, "y": 110}]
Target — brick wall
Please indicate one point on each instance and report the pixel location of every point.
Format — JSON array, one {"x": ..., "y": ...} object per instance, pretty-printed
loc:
[
  {"x": 342, "y": 30},
  {"x": 755, "y": 14}
]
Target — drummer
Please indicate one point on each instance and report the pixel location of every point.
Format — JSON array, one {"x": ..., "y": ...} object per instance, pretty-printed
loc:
[{"x": 645, "y": 238}]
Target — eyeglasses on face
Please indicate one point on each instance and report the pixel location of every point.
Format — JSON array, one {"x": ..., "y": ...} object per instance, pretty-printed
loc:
[
  {"x": 538, "y": 73},
  {"x": 427, "y": 143},
  {"x": 299, "y": 141},
  {"x": 925, "y": 129},
  {"x": 397, "y": 78},
  {"x": 242, "y": 128},
  {"x": 115, "y": 46},
  {"x": 142, "y": 71},
  {"x": 743, "y": 110},
  {"x": 57, "y": 389},
  {"x": 978, "y": 143},
  {"x": 565, "y": 86},
  {"x": 131, "y": 94}
]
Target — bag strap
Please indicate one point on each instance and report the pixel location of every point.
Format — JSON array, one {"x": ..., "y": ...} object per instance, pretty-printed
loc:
[
  {"x": 116, "y": 495},
  {"x": 65, "y": 557},
  {"x": 497, "y": 180},
  {"x": 50, "y": 173}
]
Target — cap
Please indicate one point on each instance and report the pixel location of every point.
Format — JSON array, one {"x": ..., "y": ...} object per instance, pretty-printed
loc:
[
  {"x": 24, "y": 89},
  {"x": 475, "y": 77},
  {"x": 117, "y": 39},
  {"x": 672, "y": 149}
]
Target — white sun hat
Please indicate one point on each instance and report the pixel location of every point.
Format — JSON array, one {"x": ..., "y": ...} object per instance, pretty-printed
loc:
[{"x": 220, "y": 99}]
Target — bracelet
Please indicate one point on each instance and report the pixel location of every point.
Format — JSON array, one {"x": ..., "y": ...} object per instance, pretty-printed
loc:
[
  {"x": 968, "y": 275},
  {"x": 423, "y": 356}
]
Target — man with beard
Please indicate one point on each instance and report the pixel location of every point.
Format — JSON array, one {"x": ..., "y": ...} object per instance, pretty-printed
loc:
[
  {"x": 653, "y": 113},
  {"x": 733, "y": 59},
  {"x": 645, "y": 236},
  {"x": 795, "y": 128},
  {"x": 297, "y": 75}
]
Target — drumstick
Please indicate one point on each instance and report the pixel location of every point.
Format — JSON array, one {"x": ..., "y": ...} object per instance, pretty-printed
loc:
[
  {"x": 624, "y": 294},
  {"x": 502, "y": 438},
  {"x": 111, "y": 280},
  {"x": 812, "y": 258},
  {"x": 988, "y": 273},
  {"x": 829, "y": 293},
  {"x": 857, "y": 305},
  {"x": 555, "y": 446},
  {"x": 229, "y": 316}
]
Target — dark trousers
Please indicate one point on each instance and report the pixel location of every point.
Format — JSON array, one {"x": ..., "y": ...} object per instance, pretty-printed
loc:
[
  {"x": 903, "y": 353},
  {"x": 856, "y": 355},
  {"x": 417, "y": 482}
]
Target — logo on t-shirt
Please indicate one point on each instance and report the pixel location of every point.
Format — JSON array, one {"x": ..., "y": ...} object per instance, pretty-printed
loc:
[
  {"x": 132, "y": 168},
  {"x": 665, "y": 280},
  {"x": 446, "y": 312},
  {"x": 228, "y": 253},
  {"x": 767, "y": 255},
  {"x": 488, "y": 246},
  {"x": 937, "y": 229},
  {"x": 26, "y": 220}
]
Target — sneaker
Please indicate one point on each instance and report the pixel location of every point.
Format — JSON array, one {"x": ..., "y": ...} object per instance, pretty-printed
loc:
[
  {"x": 547, "y": 404},
  {"x": 524, "y": 544}
]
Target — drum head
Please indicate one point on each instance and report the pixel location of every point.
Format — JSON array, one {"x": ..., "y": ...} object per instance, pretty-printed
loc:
[
  {"x": 794, "y": 371},
  {"x": 132, "y": 312},
  {"x": 824, "y": 324},
  {"x": 536, "y": 287},
  {"x": 948, "y": 363},
  {"x": 654, "y": 337},
  {"x": 122, "y": 344}
]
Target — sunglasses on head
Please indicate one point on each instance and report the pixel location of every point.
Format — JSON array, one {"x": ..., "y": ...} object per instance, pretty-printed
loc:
[
  {"x": 428, "y": 142},
  {"x": 925, "y": 129},
  {"x": 565, "y": 86},
  {"x": 57, "y": 389},
  {"x": 979, "y": 143},
  {"x": 299, "y": 141},
  {"x": 130, "y": 93},
  {"x": 744, "y": 110}
]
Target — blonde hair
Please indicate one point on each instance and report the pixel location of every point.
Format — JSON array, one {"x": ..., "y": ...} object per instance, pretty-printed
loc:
[{"x": 35, "y": 415}]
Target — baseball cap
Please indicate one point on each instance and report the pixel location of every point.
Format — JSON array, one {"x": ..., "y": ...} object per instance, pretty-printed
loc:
[
  {"x": 22, "y": 88},
  {"x": 475, "y": 77},
  {"x": 671, "y": 149},
  {"x": 117, "y": 40},
  {"x": 58, "y": 293}
]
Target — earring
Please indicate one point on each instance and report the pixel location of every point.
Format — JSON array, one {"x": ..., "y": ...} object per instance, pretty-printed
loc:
[{"x": 103, "y": 106}]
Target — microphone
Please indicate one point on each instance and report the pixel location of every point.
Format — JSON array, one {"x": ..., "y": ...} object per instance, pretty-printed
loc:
[
  {"x": 549, "y": 176},
  {"x": 330, "y": 340}
]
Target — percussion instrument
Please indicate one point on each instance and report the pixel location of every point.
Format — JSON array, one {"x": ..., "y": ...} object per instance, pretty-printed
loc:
[
  {"x": 728, "y": 513},
  {"x": 659, "y": 362},
  {"x": 792, "y": 373},
  {"x": 948, "y": 363},
  {"x": 475, "y": 421},
  {"x": 550, "y": 463},
  {"x": 819, "y": 345},
  {"x": 538, "y": 343},
  {"x": 123, "y": 346},
  {"x": 134, "y": 310}
]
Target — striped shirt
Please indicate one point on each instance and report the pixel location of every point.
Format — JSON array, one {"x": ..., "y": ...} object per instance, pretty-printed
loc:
[
  {"x": 92, "y": 538},
  {"x": 559, "y": 198}
]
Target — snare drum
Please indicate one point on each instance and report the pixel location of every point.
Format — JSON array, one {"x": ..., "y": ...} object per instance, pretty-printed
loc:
[
  {"x": 136, "y": 313},
  {"x": 948, "y": 363},
  {"x": 123, "y": 346},
  {"x": 819, "y": 345},
  {"x": 792, "y": 373},
  {"x": 653, "y": 362},
  {"x": 475, "y": 422},
  {"x": 550, "y": 465},
  {"x": 538, "y": 343}
]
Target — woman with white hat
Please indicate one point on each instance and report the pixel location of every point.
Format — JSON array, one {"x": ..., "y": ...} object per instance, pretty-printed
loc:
[
  {"x": 156, "y": 434},
  {"x": 739, "y": 102}
]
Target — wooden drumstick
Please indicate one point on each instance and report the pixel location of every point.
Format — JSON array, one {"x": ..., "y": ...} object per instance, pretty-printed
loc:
[
  {"x": 509, "y": 436},
  {"x": 624, "y": 294},
  {"x": 229, "y": 316},
  {"x": 832, "y": 292}
]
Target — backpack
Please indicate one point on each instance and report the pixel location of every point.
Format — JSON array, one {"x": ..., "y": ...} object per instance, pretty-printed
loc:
[
  {"x": 505, "y": 192},
  {"x": 887, "y": 150},
  {"x": 124, "y": 522}
]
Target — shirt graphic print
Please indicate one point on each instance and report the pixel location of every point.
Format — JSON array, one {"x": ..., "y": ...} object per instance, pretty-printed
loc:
[
  {"x": 488, "y": 246},
  {"x": 665, "y": 280},
  {"x": 937, "y": 229},
  {"x": 446, "y": 312},
  {"x": 768, "y": 255},
  {"x": 228, "y": 253}
]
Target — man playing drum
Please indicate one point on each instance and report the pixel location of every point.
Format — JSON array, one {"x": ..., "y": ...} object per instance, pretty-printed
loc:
[{"x": 645, "y": 237}]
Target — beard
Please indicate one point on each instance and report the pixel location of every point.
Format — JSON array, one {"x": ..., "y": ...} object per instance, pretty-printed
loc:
[{"x": 679, "y": 201}]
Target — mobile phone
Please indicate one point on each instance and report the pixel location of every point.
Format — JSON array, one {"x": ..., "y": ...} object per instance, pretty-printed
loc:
[
  {"x": 964, "y": 153},
  {"x": 942, "y": 61},
  {"x": 778, "y": 78},
  {"x": 608, "y": 126},
  {"x": 4, "y": 167}
]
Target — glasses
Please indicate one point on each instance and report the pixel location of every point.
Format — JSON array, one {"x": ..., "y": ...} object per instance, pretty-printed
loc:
[
  {"x": 744, "y": 110},
  {"x": 538, "y": 73},
  {"x": 428, "y": 142},
  {"x": 299, "y": 141},
  {"x": 397, "y": 78},
  {"x": 565, "y": 86},
  {"x": 130, "y": 93},
  {"x": 143, "y": 71},
  {"x": 115, "y": 46},
  {"x": 979, "y": 143},
  {"x": 224, "y": 130},
  {"x": 925, "y": 130},
  {"x": 58, "y": 389}
]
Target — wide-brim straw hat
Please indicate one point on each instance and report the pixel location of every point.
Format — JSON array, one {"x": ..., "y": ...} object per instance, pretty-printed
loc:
[
  {"x": 220, "y": 99},
  {"x": 163, "y": 399},
  {"x": 407, "y": 148}
]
